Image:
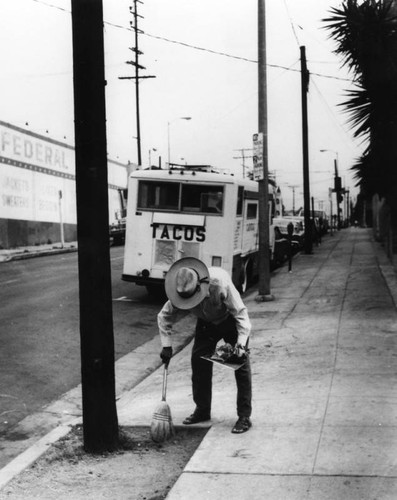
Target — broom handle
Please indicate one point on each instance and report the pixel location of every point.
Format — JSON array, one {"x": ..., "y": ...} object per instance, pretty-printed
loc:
[{"x": 165, "y": 373}]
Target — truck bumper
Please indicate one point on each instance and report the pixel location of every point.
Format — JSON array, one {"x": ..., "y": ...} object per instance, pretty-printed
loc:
[{"x": 142, "y": 281}]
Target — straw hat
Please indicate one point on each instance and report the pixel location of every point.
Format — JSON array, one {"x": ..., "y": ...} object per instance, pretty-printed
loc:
[{"x": 187, "y": 283}]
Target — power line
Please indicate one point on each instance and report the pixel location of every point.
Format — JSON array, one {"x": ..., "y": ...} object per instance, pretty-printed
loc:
[
  {"x": 292, "y": 24},
  {"x": 278, "y": 66},
  {"x": 243, "y": 157},
  {"x": 184, "y": 44},
  {"x": 53, "y": 6},
  {"x": 195, "y": 47},
  {"x": 270, "y": 82},
  {"x": 345, "y": 134}
]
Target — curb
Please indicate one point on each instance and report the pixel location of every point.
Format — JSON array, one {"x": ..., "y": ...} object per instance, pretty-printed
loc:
[
  {"x": 126, "y": 379},
  {"x": 26, "y": 458},
  {"x": 43, "y": 253},
  {"x": 33, "y": 254}
]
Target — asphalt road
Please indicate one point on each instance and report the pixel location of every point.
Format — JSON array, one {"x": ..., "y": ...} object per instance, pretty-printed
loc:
[{"x": 39, "y": 329}]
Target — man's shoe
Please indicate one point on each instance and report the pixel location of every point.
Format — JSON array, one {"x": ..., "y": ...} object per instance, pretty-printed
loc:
[
  {"x": 242, "y": 425},
  {"x": 196, "y": 417}
]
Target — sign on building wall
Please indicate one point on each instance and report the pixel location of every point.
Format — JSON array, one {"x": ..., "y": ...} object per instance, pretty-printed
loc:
[{"x": 34, "y": 169}]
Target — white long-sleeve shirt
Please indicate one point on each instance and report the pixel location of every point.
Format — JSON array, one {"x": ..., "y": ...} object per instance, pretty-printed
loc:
[{"x": 223, "y": 300}]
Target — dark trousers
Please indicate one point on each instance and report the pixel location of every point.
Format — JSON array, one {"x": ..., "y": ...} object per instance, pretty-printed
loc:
[{"x": 207, "y": 336}]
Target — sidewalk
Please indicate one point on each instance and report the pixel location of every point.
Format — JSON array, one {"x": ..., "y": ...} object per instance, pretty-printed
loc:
[
  {"x": 325, "y": 387},
  {"x": 28, "y": 252}
]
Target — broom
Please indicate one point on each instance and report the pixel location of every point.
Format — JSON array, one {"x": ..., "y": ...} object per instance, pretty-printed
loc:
[{"x": 162, "y": 427}]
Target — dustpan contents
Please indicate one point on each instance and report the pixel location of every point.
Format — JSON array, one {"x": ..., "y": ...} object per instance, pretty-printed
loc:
[
  {"x": 226, "y": 353},
  {"x": 223, "y": 352}
]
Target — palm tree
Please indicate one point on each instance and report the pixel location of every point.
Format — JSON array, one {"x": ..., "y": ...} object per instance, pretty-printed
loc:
[{"x": 366, "y": 36}]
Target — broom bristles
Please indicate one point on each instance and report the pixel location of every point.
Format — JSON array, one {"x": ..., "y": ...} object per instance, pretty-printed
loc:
[{"x": 162, "y": 427}]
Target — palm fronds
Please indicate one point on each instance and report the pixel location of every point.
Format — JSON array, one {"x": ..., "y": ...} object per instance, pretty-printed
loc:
[{"x": 366, "y": 36}]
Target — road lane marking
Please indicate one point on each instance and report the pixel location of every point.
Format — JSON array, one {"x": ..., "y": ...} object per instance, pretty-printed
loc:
[
  {"x": 124, "y": 299},
  {"x": 9, "y": 281}
]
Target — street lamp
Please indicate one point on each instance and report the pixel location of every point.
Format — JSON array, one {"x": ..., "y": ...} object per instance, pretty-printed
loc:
[
  {"x": 337, "y": 183},
  {"x": 336, "y": 159},
  {"x": 168, "y": 130},
  {"x": 329, "y": 151}
]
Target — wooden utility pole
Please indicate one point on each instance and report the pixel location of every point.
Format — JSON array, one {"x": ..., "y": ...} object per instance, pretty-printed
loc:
[
  {"x": 305, "y": 149},
  {"x": 136, "y": 64},
  {"x": 263, "y": 183},
  {"x": 338, "y": 191},
  {"x": 100, "y": 423},
  {"x": 243, "y": 157},
  {"x": 137, "y": 77},
  {"x": 293, "y": 197}
]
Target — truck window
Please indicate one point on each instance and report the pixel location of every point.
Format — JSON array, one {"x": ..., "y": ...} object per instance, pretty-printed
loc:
[
  {"x": 240, "y": 195},
  {"x": 158, "y": 195},
  {"x": 202, "y": 198},
  {"x": 252, "y": 209}
]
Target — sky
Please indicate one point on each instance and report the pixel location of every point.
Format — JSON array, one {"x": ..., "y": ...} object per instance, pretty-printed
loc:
[{"x": 203, "y": 55}]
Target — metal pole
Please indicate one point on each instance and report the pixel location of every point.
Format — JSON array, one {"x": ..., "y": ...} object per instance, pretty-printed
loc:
[
  {"x": 305, "y": 150},
  {"x": 263, "y": 184},
  {"x": 138, "y": 119},
  {"x": 348, "y": 207},
  {"x": 61, "y": 220},
  {"x": 293, "y": 200},
  {"x": 337, "y": 191},
  {"x": 169, "y": 147}
]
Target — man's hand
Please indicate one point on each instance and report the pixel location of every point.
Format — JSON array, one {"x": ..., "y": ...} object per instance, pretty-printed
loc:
[
  {"x": 166, "y": 355},
  {"x": 240, "y": 351}
]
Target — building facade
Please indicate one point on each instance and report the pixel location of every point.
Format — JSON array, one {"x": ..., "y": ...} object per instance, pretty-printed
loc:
[{"x": 37, "y": 188}]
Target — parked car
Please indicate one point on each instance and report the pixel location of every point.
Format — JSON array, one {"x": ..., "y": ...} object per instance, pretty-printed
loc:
[{"x": 299, "y": 228}]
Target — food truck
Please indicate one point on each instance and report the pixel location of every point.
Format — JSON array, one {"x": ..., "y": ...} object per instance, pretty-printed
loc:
[{"x": 192, "y": 211}]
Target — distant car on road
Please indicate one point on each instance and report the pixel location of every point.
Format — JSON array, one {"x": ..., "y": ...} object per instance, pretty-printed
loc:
[
  {"x": 321, "y": 220},
  {"x": 117, "y": 232}
]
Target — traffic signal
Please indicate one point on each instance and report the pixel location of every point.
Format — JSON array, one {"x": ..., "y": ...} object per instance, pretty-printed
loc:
[
  {"x": 337, "y": 184},
  {"x": 339, "y": 197}
]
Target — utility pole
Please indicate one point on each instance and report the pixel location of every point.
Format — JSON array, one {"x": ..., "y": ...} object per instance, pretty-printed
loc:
[
  {"x": 293, "y": 197},
  {"x": 137, "y": 77},
  {"x": 348, "y": 206},
  {"x": 100, "y": 423},
  {"x": 338, "y": 191},
  {"x": 263, "y": 182},
  {"x": 243, "y": 157},
  {"x": 61, "y": 218},
  {"x": 305, "y": 150}
]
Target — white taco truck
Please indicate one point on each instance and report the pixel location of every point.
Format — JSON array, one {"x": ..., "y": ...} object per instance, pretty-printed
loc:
[{"x": 193, "y": 212}]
